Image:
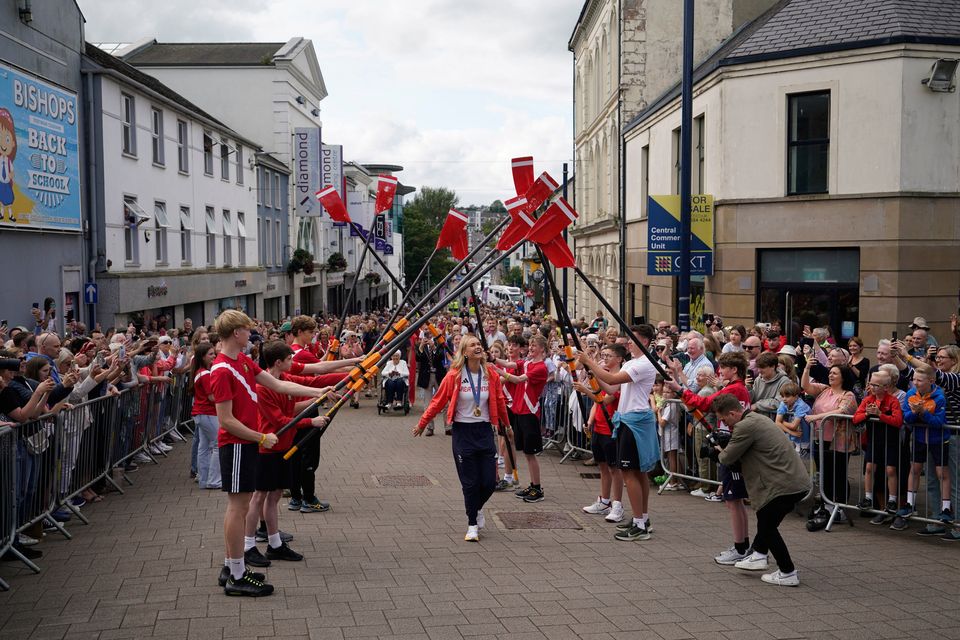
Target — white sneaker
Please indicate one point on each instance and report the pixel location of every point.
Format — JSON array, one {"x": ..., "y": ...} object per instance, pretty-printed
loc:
[
  {"x": 142, "y": 458},
  {"x": 598, "y": 507},
  {"x": 176, "y": 435},
  {"x": 753, "y": 562},
  {"x": 616, "y": 512},
  {"x": 26, "y": 540},
  {"x": 481, "y": 521},
  {"x": 163, "y": 446},
  {"x": 500, "y": 461},
  {"x": 782, "y": 580},
  {"x": 698, "y": 493},
  {"x": 473, "y": 534},
  {"x": 729, "y": 557}
]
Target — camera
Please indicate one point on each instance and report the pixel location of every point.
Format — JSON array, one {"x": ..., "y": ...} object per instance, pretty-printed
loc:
[{"x": 711, "y": 440}]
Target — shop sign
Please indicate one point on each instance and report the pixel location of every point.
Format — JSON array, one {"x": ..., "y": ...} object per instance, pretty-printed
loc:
[
  {"x": 663, "y": 235},
  {"x": 156, "y": 291}
]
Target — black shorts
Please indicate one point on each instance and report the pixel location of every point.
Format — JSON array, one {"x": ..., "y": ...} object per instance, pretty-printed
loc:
[
  {"x": 628, "y": 458},
  {"x": 604, "y": 449},
  {"x": 526, "y": 433},
  {"x": 732, "y": 484},
  {"x": 939, "y": 452},
  {"x": 883, "y": 445},
  {"x": 273, "y": 472},
  {"x": 238, "y": 467}
]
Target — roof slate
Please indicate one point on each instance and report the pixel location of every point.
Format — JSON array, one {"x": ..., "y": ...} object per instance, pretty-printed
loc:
[{"x": 205, "y": 53}]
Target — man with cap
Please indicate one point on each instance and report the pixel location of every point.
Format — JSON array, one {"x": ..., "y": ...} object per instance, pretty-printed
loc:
[{"x": 922, "y": 340}]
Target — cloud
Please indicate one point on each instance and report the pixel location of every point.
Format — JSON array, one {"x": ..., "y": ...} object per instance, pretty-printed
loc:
[{"x": 451, "y": 90}]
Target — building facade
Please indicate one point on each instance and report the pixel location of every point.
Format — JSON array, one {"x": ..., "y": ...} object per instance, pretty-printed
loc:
[
  {"x": 834, "y": 165},
  {"x": 173, "y": 210},
  {"x": 273, "y": 232},
  {"x": 625, "y": 53},
  {"x": 43, "y": 198},
  {"x": 267, "y": 90}
]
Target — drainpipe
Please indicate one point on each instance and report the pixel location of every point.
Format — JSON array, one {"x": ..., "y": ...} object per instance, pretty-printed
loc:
[
  {"x": 623, "y": 168},
  {"x": 92, "y": 198}
]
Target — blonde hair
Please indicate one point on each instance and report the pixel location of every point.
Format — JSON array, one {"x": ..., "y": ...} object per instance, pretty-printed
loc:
[
  {"x": 231, "y": 320},
  {"x": 460, "y": 358}
]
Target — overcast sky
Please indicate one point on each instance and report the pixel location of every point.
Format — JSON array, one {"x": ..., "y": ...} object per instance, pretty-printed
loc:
[{"x": 451, "y": 90}]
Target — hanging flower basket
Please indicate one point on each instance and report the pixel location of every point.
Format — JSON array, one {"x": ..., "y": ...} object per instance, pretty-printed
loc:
[
  {"x": 302, "y": 260},
  {"x": 372, "y": 278},
  {"x": 336, "y": 262}
]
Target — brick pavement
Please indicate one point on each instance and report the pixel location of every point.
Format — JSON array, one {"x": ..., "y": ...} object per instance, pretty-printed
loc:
[{"x": 391, "y": 563}]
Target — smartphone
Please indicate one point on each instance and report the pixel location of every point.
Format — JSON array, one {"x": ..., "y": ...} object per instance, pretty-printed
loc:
[
  {"x": 894, "y": 336},
  {"x": 36, "y": 305},
  {"x": 123, "y": 351}
]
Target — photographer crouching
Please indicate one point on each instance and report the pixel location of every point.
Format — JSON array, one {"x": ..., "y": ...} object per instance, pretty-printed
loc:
[{"x": 776, "y": 481}]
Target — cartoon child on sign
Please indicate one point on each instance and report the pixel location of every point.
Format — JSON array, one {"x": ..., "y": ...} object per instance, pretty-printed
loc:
[{"x": 8, "y": 151}]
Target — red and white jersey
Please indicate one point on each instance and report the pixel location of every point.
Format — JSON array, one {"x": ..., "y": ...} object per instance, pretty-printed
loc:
[
  {"x": 303, "y": 355},
  {"x": 526, "y": 395},
  {"x": 235, "y": 380},
  {"x": 202, "y": 406}
]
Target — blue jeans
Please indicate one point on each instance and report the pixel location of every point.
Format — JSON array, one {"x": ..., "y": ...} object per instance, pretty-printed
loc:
[
  {"x": 194, "y": 448},
  {"x": 27, "y": 478},
  {"x": 208, "y": 459}
]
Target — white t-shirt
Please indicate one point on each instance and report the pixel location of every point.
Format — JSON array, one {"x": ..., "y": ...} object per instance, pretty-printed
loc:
[
  {"x": 635, "y": 395},
  {"x": 466, "y": 401}
]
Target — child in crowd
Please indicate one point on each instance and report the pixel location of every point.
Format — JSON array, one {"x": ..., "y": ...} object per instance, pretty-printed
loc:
[
  {"x": 925, "y": 411},
  {"x": 791, "y": 418},
  {"x": 668, "y": 421}
]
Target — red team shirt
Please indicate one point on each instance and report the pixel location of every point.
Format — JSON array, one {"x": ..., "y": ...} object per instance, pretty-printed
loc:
[
  {"x": 303, "y": 355},
  {"x": 235, "y": 380},
  {"x": 276, "y": 409},
  {"x": 600, "y": 425},
  {"x": 526, "y": 395},
  {"x": 202, "y": 406}
]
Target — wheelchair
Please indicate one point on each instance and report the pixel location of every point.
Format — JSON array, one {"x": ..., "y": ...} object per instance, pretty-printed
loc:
[{"x": 385, "y": 407}]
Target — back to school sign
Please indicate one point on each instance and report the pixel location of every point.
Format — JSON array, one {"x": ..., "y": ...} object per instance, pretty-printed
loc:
[
  {"x": 39, "y": 156},
  {"x": 663, "y": 235}
]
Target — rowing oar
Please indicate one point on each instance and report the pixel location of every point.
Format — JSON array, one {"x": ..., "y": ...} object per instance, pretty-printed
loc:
[
  {"x": 362, "y": 373},
  {"x": 483, "y": 340},
  {"x": 567, "y": 327}
]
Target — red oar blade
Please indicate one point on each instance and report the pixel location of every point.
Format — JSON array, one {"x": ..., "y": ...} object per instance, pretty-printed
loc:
[
  {"x": 541, "y": 189},
  {"x": 386, "y": 190},
  {"x": 333, "y": 204},
  {"x": 551, "y": 224},
  {"x": 461, "y": 247},
  {"x": 522, "y": 174},
  {"x": 454, "y": 228},
  {"x": 558, "y": 253}
]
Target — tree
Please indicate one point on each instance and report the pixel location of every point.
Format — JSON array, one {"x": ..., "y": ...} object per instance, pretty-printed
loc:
[
  {"x": 514, "y": 277},
  {"x": 423, "y": 219},
  {"x": 497, "y": 207}
]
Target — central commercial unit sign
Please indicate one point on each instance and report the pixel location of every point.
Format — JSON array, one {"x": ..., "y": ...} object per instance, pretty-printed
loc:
[{"x": 663, "y": 235}]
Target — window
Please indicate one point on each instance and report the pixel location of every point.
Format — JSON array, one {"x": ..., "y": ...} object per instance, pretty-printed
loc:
[
  {"x": 277, "y": 194},
  {"x": 644, "y": 179},
  {"x": 129, "y": 125},
  {"x": 211, "y": 237},
  {"x": 267, "y": 193},
  {"x": 699, "y": 145},
  {"x": 186, "y": 229},
  {"x": 259, "y": 186},
  {"x": 161, "y": 224},
  {"x": 676, "y": 160},
  {"x": 224, "y": 160},
  {"x": 267, "y": 242},
  {"x": 239, "y": 164},
  {"x": 242, "y": 239},
  {"x": 808, "y": 142},
  {"x": 208, "y": 153},
  {"x": 277, "y": 245},
  {"x": 132, "y": 216},
  {"x": 259, "y": 241},
  {"x": 183, "y": 147},
  {"x": 156, "y": 124},
  {"x": 227, "y": 239}
]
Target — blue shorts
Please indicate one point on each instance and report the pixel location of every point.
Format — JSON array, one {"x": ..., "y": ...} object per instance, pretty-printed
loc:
[{"x": 732, "y": 484}]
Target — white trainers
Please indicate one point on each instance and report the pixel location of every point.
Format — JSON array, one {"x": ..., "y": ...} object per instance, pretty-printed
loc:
[
  {"x": 176, "y": 435},
  {"x": 698, "y": 493},
  {"x": 481, "y": 521},
  {"x": 500, "y": 461},
  {"x": 473, "y": 534},
  {"x": 782, "y": 579},
  {"x": 729, "y": 557},
  {"x": 616, "y": 512},
  {"x": 598, "y": 507},
  {"x": 754, "y": 562}
]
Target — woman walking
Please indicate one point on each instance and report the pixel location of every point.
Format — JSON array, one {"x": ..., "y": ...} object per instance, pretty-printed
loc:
[{"x": 473, "y": 397}]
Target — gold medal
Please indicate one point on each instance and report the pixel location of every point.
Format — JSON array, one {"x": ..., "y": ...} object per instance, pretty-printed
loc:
[{"x": 476, "y": 410}]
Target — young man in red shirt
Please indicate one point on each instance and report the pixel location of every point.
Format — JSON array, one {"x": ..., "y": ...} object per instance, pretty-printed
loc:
[
  {"x": 274, "y": 474},
  {"x": 515, "y": 346},
  {"x": 530, "y": 377},
  {"x": 233, "y": 380}
]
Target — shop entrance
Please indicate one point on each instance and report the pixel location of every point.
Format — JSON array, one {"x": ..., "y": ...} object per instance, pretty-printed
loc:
[{"x": 813, "y": 287}]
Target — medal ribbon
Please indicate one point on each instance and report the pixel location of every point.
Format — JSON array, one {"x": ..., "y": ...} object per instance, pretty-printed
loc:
[{"x": 475, "y": 389}]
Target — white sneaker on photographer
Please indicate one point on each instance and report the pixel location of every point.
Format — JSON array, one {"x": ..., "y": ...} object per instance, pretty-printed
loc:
[
  {"x": 781, "y": 579},
  {"x": 754, "y": 562},
  {"x": 598, "y": 507},
  {"x": 616, "y": 512}
]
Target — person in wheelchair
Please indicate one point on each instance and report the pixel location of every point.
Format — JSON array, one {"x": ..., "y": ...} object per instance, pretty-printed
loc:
[{"x": 395, "y": 375}]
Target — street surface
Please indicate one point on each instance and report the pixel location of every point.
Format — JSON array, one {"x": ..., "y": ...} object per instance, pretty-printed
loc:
[{"x": 390, "y": 562}]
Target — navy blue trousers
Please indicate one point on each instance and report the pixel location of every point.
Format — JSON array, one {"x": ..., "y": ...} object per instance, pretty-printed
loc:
[{"x": 475, "y": 455}]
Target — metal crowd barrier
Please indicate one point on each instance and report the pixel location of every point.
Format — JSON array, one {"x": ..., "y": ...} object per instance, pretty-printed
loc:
[
  {"x": 48, "y": 461},
  {"x": 890, "y": 452}
]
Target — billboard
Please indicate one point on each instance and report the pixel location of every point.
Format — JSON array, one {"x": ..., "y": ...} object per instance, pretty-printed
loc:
[
  {"x": 663, "y": 235},
  {"x": 307, "y": 178},
  {"x": 39, "y": 156}
]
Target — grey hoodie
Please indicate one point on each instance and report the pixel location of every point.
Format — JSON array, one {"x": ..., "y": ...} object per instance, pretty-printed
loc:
[{"x": 765, "y": 394}]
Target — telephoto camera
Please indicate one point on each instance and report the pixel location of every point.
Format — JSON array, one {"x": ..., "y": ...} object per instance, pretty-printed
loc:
[{"x": 711, "y": 440}]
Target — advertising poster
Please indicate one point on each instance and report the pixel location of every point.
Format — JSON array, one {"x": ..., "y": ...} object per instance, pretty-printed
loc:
[
  {"x": 307, "y": 177},
  {"x": 39, "y": 156},
  {"x": 663, "y": 235}
]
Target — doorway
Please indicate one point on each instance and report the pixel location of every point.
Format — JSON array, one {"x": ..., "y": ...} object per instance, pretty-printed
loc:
[{"x": 810, "y": 287}]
